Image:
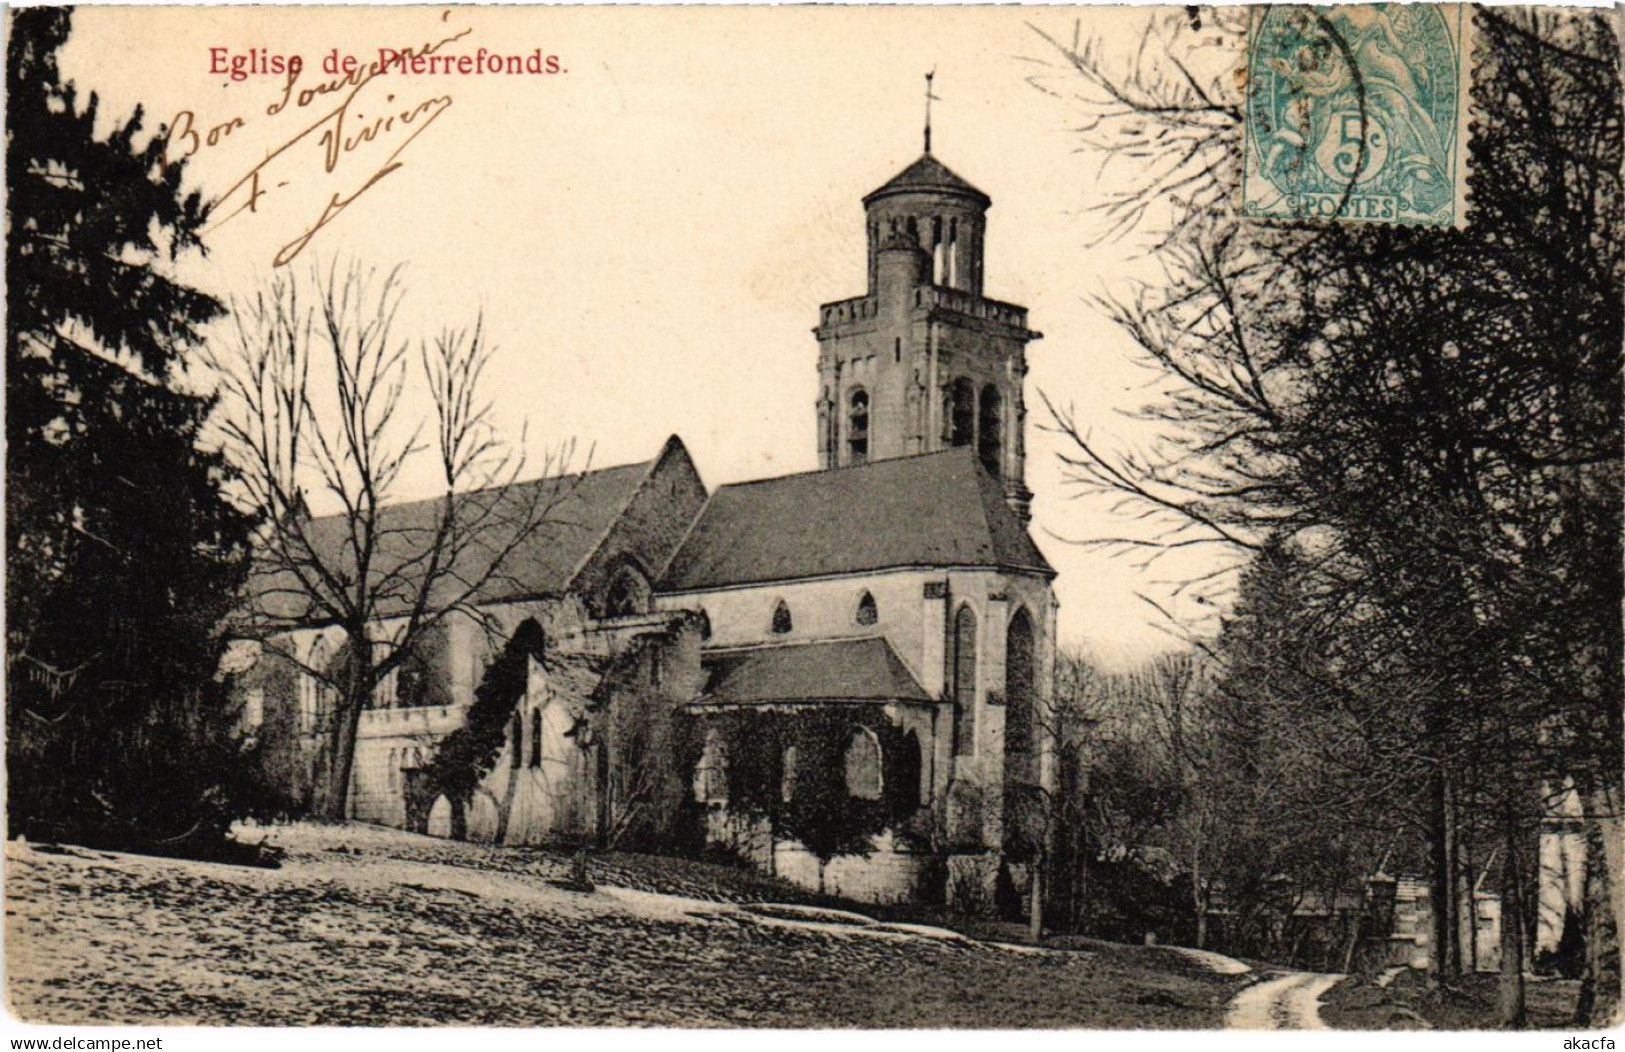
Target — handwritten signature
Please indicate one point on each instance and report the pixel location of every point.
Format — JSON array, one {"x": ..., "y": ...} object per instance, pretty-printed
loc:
[{"x": 337, "y": 132}]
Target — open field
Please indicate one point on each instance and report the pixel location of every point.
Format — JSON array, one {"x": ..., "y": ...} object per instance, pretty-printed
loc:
[{"x": 363, "y": 926}]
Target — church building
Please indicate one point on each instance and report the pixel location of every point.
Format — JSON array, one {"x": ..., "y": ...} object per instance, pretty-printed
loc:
[{"x": 839, "y": 675}]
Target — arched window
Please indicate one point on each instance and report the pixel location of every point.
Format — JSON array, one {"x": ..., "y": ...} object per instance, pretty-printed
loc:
[
  {"x": 862, "y": 762},
  {"x": 857, "y": 428},
  {"x": 868, "y": 612},
  {"x": 628, "y": 593},
  {"x": 528, "y": 635},
  {"x": 961, "y": 413},
  {"x": 535, "y": 737},
  {"x": 1018, "y": 695},
  {"x": 790, "y": 774},
  {"x": 781, "y": 619},
  {"x": 383, "y": 691},
  {"x": 326, "y": 695},
  {"x": 316, "y": 699},
  {"x": 827, "y": 426},
  {"x": 964, "y": 682},
  {"x": 711, "y": 777},
  {"x": 394, "y": 770},
  {"x": 417, "y": 757},
  {"x": 517, "y": 756},
  {"x": 988, "y": 433},
  {"x": 938, "y": 253},
  {"x": 705, "y": 625},
  {"x": 913, "y": 760}
]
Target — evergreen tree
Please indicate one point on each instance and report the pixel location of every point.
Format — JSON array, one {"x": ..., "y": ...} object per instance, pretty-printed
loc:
[{"x": 123, "y": 555}]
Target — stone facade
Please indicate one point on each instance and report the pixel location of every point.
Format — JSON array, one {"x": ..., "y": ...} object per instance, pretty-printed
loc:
[{"x": 586, "y": 631}]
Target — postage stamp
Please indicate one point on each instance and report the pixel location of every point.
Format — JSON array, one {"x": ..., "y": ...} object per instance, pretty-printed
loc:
[{"x": 1358, "y": 113}]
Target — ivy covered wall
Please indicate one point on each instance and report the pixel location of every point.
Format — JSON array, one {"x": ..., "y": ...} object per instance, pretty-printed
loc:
[{"x": 790, "y": 767}]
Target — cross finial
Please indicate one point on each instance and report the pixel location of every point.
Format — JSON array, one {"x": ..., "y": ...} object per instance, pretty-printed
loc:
[{"x": 928, "y": 98}]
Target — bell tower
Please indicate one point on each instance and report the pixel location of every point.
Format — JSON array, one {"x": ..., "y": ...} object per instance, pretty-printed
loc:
[{"x": 923, "y": 361}]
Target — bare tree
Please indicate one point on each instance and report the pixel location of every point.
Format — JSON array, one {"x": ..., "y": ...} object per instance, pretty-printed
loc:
[{"x": 320, "y": 405}]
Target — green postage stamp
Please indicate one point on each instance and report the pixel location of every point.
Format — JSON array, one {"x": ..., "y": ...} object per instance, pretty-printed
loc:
[{"x": 1358, "y": 113}]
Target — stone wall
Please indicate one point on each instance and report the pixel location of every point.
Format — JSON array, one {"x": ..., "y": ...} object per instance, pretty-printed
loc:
[{"x": 891, "y": 873}]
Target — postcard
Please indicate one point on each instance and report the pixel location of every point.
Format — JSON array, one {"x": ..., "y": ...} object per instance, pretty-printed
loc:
[{"x": 814, "y": 517}]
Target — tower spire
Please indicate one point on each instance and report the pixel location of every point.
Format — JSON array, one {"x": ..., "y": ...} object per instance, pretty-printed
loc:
[{"x": 928, "y": 98}]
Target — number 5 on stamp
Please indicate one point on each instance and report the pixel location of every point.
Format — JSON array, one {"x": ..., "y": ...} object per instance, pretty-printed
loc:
[{"x": 1358, "y": 112}]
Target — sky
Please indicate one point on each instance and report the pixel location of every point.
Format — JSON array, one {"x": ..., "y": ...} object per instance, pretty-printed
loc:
[{"x": 650, "y": 231}]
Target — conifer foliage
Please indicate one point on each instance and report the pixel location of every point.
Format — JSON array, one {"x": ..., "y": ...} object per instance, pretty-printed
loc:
[{"x": 123, "y": 557}]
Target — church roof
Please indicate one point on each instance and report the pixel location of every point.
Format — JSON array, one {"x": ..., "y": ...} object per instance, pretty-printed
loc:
[
  {"x": 928, "y": 175},
  {"x": 937, "y": 509},
  {"x": 856, "y": 670},
  {"x": 579, "y": 511}
]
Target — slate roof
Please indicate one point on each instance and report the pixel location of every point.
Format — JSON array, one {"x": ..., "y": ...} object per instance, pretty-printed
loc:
[
  {"x": 928, "y": 175},
  {"x": 585, "y": 506},
  {"x": 845, "y": 670},
  {"x": 937, "y": 509}
]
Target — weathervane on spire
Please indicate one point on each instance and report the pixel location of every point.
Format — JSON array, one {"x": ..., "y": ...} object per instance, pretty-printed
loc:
[{"x": 928, "y": 98}]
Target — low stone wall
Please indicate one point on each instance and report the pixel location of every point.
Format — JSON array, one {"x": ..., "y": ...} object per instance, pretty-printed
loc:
[
  {"x": 890, "y": 873},
  {"x": 973, "y": 884}
]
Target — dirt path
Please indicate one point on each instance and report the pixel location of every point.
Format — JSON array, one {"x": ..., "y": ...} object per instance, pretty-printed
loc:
[{"x": 1286, "y": 1002}]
